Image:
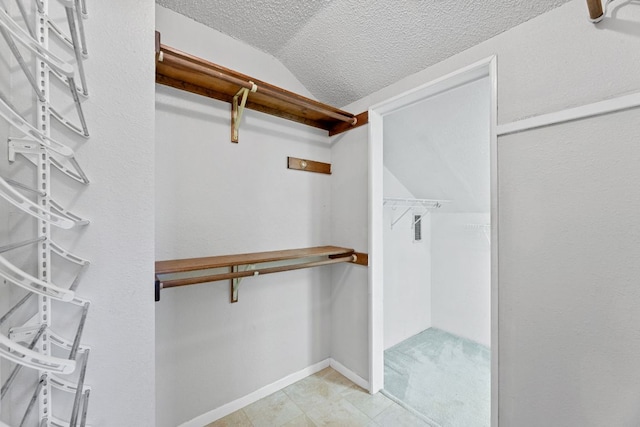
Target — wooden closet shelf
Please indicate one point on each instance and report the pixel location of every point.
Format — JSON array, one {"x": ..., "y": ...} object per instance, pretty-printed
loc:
[
  {"x": 332, "y": 255},
  {"x": 192, "y": 264},
  {"x": 190, "y": 73}
]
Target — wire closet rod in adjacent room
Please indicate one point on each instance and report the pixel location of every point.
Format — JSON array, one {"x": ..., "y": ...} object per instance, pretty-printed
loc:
[{"x": 409, "y": 204}]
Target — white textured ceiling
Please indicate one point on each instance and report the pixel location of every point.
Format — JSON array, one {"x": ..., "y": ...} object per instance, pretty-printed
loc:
[{"x": 343, "y": 50}]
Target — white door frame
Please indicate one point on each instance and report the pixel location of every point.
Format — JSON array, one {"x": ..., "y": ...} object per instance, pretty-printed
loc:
[{"x": 484, "y": 68}]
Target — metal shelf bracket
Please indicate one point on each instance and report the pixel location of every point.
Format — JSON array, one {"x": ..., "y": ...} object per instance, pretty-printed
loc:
[
  {"x": 237, "y": 110},
  {"x": 235, "y": 282}
]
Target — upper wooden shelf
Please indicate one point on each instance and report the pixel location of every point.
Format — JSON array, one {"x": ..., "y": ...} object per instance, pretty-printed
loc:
[{"x": 186, "y": 72}]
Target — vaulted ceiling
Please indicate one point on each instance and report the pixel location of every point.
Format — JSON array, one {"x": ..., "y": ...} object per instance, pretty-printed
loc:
[{"x": 342, "y": 50}]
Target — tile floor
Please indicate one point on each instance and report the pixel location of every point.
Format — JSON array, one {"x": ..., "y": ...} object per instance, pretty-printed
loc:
[{"x": 323, "y": 399}]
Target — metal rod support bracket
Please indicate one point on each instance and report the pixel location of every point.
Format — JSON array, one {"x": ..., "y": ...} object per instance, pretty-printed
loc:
[
  {"x": 235, "y": 283},
  {"x": 425, "y": 206},
  {"x": 238, "y": 109}
]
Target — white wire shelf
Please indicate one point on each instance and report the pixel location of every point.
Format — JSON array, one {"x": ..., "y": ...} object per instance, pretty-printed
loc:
[
  {"x": 425, "y": 206},
  {"x": 424, "y": 203}
]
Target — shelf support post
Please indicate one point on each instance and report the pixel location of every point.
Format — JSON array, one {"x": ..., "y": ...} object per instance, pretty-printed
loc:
[
  {"x": 235, "y": 283},
  {"x": 237, "y": 110}
]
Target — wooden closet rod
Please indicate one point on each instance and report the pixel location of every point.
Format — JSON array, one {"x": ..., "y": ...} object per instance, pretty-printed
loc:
[
  {"x": 595, "y": 9},
  {"x": 250, "y": 263},
  {"x": 171, "y": 58},
  {"x": 250, "y": 273}
]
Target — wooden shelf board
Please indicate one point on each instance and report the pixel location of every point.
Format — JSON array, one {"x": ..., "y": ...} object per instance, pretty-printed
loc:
[
  {"x": 363, "y": 119},
  {"x": 210, "y": 93},
  {"x": 308, "y": 165},
  {"x": 193, "y": 264},
  {"x": 190, "y": 73}
]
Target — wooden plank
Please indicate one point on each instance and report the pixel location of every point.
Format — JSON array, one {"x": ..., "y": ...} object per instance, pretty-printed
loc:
[
  {"x": 187, "y": 72},
  {"x": 189, "y": 87},
  {"x": 196, "y": 61},
  {"x": 287, "y": 116},
  {"x": 192, "y": 264},
  {"x": 210, "y": 93},
  {"x": 239, "y": 274},
  {"x": 195, "y": 70},
  {"x": 180, "y": 79},
  {"x": 338, "y": 128},
  {"x": 308, "y": 165}
]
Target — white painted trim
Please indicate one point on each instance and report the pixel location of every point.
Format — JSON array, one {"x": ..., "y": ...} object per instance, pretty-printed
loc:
[
  {"x": 265, "y": 391},
  {"x": 480, "y": 69},
  {"x": 447, "y": 82},
  {"x": 349, "y": 374},
  {"x": 376, "y": 248},
  {"x": 495, "y": 295},
  {"x": 608, "y": 106}
]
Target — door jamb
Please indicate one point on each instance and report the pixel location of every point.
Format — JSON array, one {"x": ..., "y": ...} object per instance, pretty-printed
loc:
[{"x": 475, "y": 71}]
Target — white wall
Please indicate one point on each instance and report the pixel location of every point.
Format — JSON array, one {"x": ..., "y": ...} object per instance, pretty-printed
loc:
[
  {"x": 555, "y": 61},
  {"x": 574, "y": 293},
  {"x": 461, "y": 275},
  {"x": 407, "y": 269},
  {"x": 213, "y": 198},
  {"x": 349, "y": 228},
  {"x": 119, "y": 160}
]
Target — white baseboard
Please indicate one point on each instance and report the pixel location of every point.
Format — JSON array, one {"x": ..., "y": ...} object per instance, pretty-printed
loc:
[
  {"x": 265, "y": 391},
  {"x": 349, "y": 374}
]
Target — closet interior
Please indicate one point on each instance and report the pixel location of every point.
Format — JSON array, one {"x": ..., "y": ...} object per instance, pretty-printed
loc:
[
  {"x": 437, "y": 256},
  {"x": 187, "y": 72}
]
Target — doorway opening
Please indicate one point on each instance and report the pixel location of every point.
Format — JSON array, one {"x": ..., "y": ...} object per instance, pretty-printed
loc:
[{"x": 433, "y": 248}]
